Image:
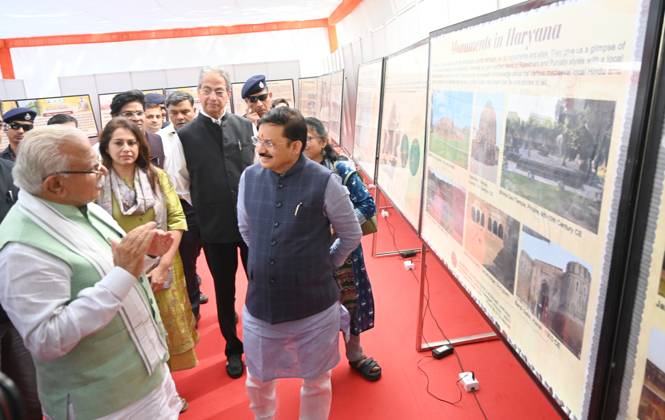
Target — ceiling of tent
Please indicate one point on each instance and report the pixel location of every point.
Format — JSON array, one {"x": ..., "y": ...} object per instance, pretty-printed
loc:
[{"x": 68, "y": 17}]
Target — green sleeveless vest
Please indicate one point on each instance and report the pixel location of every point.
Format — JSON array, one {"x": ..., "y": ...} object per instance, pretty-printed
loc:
[{"x": 104, "y": 372}]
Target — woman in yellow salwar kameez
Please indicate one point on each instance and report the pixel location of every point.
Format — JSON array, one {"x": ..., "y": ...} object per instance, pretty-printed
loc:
[{"x": 135, "y": 192}]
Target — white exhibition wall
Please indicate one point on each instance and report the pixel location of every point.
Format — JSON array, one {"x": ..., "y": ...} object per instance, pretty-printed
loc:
[
  {"x": 41, "y": 67},
  {"x": 387, "y": 26},
  {"x": 96, "y": 84},
  {"x": 13, "y": 89}
]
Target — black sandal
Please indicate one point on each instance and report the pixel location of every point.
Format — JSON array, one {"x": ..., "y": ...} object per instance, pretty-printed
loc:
[{"x": 367, "y": 367}]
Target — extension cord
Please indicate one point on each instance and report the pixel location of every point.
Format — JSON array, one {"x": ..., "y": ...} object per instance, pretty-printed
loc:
[{"x": 469, "y": 381}]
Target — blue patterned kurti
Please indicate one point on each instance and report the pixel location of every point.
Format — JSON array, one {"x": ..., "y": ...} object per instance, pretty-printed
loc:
[{"x": 356, "y": 290}]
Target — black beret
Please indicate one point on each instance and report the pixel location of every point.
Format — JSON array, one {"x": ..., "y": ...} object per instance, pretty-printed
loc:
[
  {"x": 19, "y": 114},
  {"x": 254, "y": 84}
]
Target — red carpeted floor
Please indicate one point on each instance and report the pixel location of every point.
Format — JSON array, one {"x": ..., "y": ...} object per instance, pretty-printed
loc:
[{"x": 506, "y": 390}]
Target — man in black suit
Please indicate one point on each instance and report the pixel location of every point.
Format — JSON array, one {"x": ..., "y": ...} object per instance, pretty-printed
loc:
[
  {"x": 218, "y": 147},
  {"x": 131, "y": 105}
]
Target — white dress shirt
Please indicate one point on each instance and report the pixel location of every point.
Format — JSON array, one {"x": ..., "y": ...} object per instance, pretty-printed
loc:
[
  {"x": 174, "y": 162},
  {"x": 35, "y": 293}
]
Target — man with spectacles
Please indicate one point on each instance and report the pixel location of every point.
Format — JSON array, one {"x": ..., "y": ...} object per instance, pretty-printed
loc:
[
  {"x": 217, "y": 146},
  {"x": 287, "y": 204},
  {"x": 18, "y": 121},
  {"x": 74, "y": 288},
  {"x": 257, "y": 97},
  {"x": 131, "y": 105}
]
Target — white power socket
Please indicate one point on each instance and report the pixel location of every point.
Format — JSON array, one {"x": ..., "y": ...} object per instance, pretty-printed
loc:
[
  {"x": 409, "y": 265},
  {"x": 469, "y": 381},
  {"x": 384, "y": 213}
]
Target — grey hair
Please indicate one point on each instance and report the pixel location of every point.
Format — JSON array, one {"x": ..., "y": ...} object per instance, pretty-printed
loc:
[
  {"x": 40, "y": 154},
  {"x": 178, "y": 96},
  {"x": 220, "y": 71}
]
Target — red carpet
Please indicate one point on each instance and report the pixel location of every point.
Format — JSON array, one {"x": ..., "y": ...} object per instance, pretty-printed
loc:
[{"x": 506, "y": 390}]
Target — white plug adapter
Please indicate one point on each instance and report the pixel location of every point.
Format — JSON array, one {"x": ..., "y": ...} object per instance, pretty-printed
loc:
[
  {"x": 409, "y": 265},
  {"x": 469, "y": 381},
  {"x": 384, "y": 213}
]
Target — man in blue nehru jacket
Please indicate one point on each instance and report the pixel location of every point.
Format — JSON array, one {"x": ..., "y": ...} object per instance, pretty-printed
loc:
[{"x": 291, "y": 320}]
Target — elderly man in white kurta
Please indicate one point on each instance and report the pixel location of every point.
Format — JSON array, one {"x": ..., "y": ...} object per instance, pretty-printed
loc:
[{"x": 73, "y": 287}]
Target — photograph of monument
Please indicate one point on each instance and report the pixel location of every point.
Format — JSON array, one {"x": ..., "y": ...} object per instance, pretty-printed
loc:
[
  {"x": 445, "y": 203},
  {"x": 556, "y": 152},
  {"x": 652, "y": 399},
  {"x": 554, "y": 285},
  {"x": 661, "y": 286},
  {"x": 450, "y": 126},
  {"x": 486, "y": 133},
  {"x": 491, "y": 237}
]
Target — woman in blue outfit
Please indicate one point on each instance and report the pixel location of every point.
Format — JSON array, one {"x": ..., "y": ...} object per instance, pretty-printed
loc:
[{"x": 356, "y": 291}]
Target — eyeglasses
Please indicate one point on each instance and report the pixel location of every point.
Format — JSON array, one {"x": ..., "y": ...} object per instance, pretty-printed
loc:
[
  {"x": 130, "y": 114},
  {"x": 98, "y": 170},
  {"x": 16, "y": 126},
  {"x": 217, "y": 92},
  {"x": 255, "y": 98},
  {"x": 267, "y": 143}
]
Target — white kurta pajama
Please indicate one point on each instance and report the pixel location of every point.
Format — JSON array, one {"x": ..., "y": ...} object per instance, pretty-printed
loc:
[{"x": 305, "y": 348}]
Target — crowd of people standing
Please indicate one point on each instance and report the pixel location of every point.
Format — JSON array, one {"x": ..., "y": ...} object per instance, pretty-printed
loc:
[{"x": 99, "y": 246}]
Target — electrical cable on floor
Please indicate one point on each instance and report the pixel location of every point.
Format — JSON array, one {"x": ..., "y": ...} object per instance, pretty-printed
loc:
[{"x": 428, "y": 308}]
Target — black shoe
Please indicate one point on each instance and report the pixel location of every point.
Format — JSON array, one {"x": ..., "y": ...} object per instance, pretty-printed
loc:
[
  {"x": 203, "y": 299},
  {"x": 234, "y": 366}
]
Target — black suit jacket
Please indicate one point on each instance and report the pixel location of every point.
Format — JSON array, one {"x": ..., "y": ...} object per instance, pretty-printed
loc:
[
  {"x": 156, "y": 149},
  {"x": 216, "y": 156}
]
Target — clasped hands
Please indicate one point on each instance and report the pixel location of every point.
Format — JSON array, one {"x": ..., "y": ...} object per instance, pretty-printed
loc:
[{"x": 129, "y": 252}]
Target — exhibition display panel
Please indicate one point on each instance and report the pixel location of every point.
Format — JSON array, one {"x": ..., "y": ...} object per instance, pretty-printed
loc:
[
  {"x": 403, "y": 122},
  {"x": 78, "y": 106},
  {"x": 368, "y": 109},
  {"x": 529, "y": 121}
]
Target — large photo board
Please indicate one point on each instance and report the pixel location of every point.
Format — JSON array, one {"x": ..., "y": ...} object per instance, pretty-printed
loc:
[
  {"x": 368, "y": 104},
  {"x": 78, "y": 106},
  {"x": 279, "y": 88},
  {"x": 336, "y": 97},
  {"x": 644, "y": 378},
  {"x": 403, "y": 122},
  {"x": 323, "y": 87},
  {"x": 528, "y": 125},
  {"x": 308, "y": 99}
]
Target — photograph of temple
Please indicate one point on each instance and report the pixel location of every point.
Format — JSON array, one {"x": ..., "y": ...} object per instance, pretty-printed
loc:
[{"x": 486, "y": 132}]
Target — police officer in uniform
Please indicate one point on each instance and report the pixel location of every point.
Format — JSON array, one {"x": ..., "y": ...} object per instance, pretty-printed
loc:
[
  {"x": 18, "y": 121},
  {"x": 257, "y": 97}
]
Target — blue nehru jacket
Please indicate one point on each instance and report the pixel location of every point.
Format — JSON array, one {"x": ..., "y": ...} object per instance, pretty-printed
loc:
[{"x": 290, "y": 267}]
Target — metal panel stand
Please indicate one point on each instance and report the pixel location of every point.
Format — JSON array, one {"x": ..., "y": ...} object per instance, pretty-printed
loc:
[
  {"x": 457, "y": 341},
  {"x": 374, "y": 240}
]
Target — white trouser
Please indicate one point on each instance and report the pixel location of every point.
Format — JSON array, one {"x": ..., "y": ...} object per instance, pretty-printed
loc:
[{"x": 315, "y": 397}]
